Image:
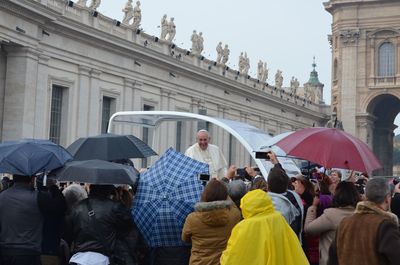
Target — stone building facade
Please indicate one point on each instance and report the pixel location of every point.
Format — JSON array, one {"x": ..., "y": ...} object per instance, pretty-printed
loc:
[
  {"x": 65, "y": 69},
  {"x": 365, "y": 44}
]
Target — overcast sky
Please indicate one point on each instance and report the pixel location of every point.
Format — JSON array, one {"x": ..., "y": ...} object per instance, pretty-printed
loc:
[{"x": 287, "y": 34}]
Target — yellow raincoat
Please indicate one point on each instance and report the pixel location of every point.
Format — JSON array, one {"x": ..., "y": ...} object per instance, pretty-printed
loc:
[{"x": 263, "y": 237}]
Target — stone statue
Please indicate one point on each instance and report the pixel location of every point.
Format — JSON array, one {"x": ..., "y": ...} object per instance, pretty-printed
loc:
[
  {"x": 294, "y": 85},
  {"x": 171, "y": 30},
  {"x": 219, "y": 52},
  {"x": 334, "y": 122},
  {"x": 246, "y": 64},
  {"x": 260, "y": 70},
  {"x": 137, "y": 15},
  {"x": 95, "y": 4},
  {"x": 242, "y": 63},
  {"x": 195, "y": 38},
  {"x": 278, "y": 79},
  {"x": 200, "y": 43},
  {"x": 264, "y": 74},
  {"x": 81, "y": 3},
  {"x": 128, "y": 12},
  {"x": 164, "y": 27},
  {"x": 225, "y": 54}
]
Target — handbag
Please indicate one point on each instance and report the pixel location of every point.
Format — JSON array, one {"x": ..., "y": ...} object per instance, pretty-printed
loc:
[{"x": 114, "y": 259}]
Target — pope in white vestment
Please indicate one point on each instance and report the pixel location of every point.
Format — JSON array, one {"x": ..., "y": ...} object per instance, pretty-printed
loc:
[{"x": 208, "y": 153}]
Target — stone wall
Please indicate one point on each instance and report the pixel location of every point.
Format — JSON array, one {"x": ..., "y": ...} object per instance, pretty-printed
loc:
[{"x": 91, "y": 58}]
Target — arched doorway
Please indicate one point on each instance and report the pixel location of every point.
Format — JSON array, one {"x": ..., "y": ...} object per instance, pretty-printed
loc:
[{"x": 384, "y": 108}]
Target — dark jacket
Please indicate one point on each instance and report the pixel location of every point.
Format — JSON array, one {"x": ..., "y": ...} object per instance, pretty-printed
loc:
[
  {"x": 111, "y": 218},
  {"x": 53, "y": 219},
  {"x": 170, "y": 255},
  {"x": 21, "y": 221}
]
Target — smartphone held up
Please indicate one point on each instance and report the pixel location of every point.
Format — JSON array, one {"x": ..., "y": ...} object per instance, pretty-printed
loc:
[{"x": 263, "y": 155}]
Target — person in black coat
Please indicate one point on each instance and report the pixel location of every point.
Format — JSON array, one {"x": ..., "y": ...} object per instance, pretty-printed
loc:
[
  {"x": 22, "y": 210},
  {"x": 94, "y": 224}
]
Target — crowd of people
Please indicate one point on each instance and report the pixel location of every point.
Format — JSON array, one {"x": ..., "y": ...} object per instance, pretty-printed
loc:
[{"x": 241, "y": 218}]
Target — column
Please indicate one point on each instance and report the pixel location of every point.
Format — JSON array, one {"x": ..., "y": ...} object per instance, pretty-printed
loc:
[
  {"x": 347, "y": 112},
  {"x": 372, "y": 58},
  {"x": 221, "y": 138},
  {"x": 365, "y": 128},
  {"x": 20, "y": 93},
  {"x": 397, "y": 61},
  {"x": 193, "y": 125},
  {"x": 82, "y": 98},
  {"x": 94, "y": 119},
  {"x": 3, "y": 70},
  {"x": 383, "y": 148},
  {"x": 127, "y": 101},
  {"x": 241, "y": 154},
  {"x": 165, "y": 132}
]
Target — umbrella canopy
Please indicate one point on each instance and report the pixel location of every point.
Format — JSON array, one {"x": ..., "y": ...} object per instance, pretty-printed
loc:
[
  {"x": 166, "y": 194},
  {"x": 28, "y": 157},
  {"x": 97, "y": 172},
  {"x": 331, "y": 148},
  {"x": 109, "y": 147}
]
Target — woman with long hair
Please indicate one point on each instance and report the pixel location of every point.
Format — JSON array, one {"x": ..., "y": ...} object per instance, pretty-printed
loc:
[{"x": 343, "y": 204}]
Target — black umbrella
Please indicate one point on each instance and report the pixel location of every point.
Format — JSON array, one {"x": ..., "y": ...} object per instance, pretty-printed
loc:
[
  {"x": 97, "y": 172},
  {"x": 109, "y": 147},
  {"x": 30, "y": 156}
]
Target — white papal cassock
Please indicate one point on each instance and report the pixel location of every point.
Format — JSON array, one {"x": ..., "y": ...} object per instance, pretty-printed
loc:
[{"x": 211, "y": 156}]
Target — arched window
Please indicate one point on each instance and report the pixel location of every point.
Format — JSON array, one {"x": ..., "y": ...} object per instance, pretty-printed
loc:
[{"x": 386, "y": 60}]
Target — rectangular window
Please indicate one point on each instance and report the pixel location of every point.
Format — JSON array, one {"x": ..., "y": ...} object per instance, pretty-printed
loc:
[
  {"x": 203, "y": 125},
  {"x": 58, "y": 114},
  {"x": 107, "y": 110},
  {"x": 386, "y": 63},
  {"x": 147, "y": 135}
]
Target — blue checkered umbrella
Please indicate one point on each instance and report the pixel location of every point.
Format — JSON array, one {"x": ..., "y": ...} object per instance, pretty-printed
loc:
[{"x": 166, "y": 194}]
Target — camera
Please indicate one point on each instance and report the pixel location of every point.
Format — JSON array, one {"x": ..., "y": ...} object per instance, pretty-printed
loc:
[
  {"x": 242, "y": 174},
  {"x": 204, "y": 177},
  {"x": 360, "y": 186},
  {"x": 396, "y": 181},
  {"x": 262, "y": 155}
]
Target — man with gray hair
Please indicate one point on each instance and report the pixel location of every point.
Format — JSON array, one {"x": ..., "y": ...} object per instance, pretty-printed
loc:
[
  {"x": 371, "y": 235},
  {"x": 208, "y": 153}
]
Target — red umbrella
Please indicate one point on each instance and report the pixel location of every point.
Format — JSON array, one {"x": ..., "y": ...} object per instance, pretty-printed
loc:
[{"x": 331, "y": 148}]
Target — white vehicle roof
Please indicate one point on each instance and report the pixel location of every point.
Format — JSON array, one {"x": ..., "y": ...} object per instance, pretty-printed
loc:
[{"x": 252, "y": 138}]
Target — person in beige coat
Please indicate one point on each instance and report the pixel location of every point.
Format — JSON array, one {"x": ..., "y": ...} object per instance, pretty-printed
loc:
[
  {"x": 209, "y": 227},
  {"x": 343, "y": 204}
]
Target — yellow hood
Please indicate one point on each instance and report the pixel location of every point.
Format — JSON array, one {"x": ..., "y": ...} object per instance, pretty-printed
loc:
[
  {"x": 256, "y": 202},
  {"x": 263, "y": 237}
]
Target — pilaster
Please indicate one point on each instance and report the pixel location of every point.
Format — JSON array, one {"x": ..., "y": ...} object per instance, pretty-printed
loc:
[
  {"x": 20, "y": 92},
  {"x": 347, "y": 112},
  {"x": 82, "y": 94},
  {"x": 94, "y": 103},
  {"x": 43, "y": 98}
]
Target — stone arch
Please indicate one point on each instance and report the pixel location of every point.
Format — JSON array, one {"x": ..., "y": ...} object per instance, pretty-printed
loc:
[
  {"x": 384, "y": 107},
  {"x": 366, "y": 102}
]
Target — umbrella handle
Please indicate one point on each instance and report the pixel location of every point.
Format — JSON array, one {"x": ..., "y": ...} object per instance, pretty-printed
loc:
[{"x": 45, "y": 180}]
